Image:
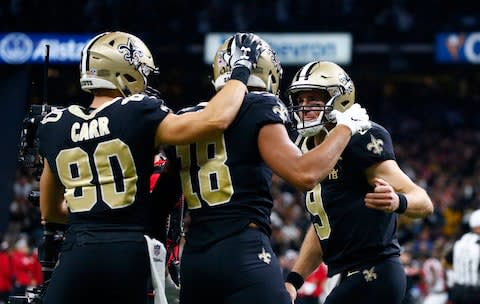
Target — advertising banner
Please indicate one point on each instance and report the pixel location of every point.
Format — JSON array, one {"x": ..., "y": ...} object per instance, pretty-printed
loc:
[
  {"x": 457, "y": 48},
  {"x": 20, "y": 48},
  {"x": 295, "y": 48}
]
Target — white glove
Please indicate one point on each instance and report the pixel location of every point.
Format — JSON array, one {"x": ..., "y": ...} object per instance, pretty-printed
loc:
[{"x": 355, "y": 118}]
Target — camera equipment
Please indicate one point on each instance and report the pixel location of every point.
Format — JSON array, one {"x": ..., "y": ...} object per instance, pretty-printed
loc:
[
  {"x": 28, "y": 150},
  {"x": 28, "y": 157},
  {"x": 53, "y": 235}
]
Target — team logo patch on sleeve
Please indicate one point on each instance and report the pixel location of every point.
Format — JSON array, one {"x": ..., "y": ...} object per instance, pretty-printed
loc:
[
  {"x": 375, "y": 145},
  {"x": 281, "y": 111}
]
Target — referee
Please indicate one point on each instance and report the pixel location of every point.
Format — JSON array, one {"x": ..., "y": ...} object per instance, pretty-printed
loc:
[{"x": 465, "y": 259}]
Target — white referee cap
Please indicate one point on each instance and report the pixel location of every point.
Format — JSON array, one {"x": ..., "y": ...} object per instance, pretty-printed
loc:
[{"x": 474, "y": 219}]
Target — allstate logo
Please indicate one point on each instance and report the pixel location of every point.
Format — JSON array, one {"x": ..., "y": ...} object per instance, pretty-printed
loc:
[{"x": 16, "y": 48}]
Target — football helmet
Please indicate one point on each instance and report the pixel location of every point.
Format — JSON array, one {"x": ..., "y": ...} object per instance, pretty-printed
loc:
[
  {"x": 325, "y": 76},
  {"x": 266, "y": 74},
  {"x": 116, "y": 60}
]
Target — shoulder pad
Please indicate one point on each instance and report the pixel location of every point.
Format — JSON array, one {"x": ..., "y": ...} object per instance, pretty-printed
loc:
[{"x": 134, "y": 97}]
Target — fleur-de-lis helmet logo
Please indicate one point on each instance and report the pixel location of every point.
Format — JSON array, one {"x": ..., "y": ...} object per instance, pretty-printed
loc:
[{"x": 131, "y": 53}]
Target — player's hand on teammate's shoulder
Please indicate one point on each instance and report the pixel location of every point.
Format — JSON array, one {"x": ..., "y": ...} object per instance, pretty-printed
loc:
[
  {"x": 355, "y": 118},
  {"x": 383, "y": 198}
]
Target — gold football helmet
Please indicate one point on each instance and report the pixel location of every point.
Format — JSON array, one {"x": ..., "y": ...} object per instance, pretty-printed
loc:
[
  {"x": 116, "y": 60},
  {"x": 266, "y": 74},
  {"x": 326, "y": 76}
]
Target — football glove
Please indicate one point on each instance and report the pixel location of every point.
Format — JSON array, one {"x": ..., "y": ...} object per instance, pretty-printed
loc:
[
  {"x": 245, "y": 51},
  {"x": 355, "y": 118}
]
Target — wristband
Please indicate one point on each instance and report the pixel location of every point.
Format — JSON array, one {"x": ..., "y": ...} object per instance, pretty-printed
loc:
[
  {"x": 241, "y": 73},
  {"x": 295, "y": 279},
  {"x": 402, "y": 203}
]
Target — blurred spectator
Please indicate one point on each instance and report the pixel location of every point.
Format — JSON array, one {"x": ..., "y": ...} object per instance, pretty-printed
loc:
[
  {"x": 422, "y": 245},
  {"x": 24, "y": 216},
  {"x": 287, "y": 260},
  {"x": 27, "y": 269},
  {"x": 433, "y": 277},
  {"x": 412, "y": 270},
  {"x": 6, "y": 273}
]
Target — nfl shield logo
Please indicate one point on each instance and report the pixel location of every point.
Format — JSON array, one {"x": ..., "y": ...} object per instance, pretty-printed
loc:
[{"x": 156, "y": 249}]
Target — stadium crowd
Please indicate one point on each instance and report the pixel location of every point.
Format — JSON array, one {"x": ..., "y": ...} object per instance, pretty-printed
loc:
[{"x": 188, "y": 21}]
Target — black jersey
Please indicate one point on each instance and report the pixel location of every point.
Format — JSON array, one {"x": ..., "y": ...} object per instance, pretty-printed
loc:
[
  {"x": 225, "y": 181},
  {"x": 350, "y": 233},
  {"x": 104, "y": 158}
]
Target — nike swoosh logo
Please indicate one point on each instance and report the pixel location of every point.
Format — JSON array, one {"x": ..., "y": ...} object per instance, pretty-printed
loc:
[{"x": 350, "y": 273}]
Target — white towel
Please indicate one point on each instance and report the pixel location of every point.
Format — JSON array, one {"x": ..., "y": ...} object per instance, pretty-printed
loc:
[{"x": 157, "y": 254}]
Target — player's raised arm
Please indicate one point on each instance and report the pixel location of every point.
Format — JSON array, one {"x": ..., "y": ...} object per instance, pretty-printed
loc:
[
  {"x": 306, "y": 170},
  {"x": 242, "y": 55}
]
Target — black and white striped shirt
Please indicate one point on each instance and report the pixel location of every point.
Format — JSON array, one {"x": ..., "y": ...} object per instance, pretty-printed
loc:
[{"x": 466, "y": 260}]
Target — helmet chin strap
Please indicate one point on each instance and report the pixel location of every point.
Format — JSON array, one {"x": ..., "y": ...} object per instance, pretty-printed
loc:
[
  {"x": 122, "y": 87},
  {"x": 221, "y": 80},
  {"x": 328, "y": 117}
]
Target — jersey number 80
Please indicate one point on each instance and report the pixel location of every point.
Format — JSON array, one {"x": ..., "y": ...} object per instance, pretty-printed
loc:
[{"x": 76, "y": 171}]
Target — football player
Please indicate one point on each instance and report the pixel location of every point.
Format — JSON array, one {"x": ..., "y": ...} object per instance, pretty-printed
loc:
[
  {"x": 99, "y": 159},
  {"x": 226, "y": 181},
  {"x": 354, "y": 210}
]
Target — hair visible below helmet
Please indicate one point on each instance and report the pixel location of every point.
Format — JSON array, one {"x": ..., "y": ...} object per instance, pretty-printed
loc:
[
  {"x": 326, "y": 76},
  {"x": 266, "y": 74},
  {"x": 116, "y": 60}
]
